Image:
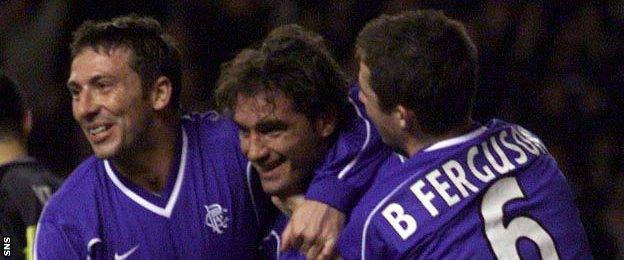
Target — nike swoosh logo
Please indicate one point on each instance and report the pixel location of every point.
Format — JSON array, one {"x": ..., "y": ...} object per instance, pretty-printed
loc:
[{"x": 124, "y": 256}]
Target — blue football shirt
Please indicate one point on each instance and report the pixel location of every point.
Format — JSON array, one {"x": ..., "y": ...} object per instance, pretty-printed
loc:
[
  {"x": 345, "y": 173},
  {"x": 350, "y": 165},
  {"x": 495, "y": 192},
  {"x": 206, "y": 211}
]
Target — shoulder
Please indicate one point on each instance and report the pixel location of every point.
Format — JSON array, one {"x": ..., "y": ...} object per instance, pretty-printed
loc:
[
  {"x": 393, "y": 162},
  {"x": 214, "y": 136},
  {"x": 213, "y": 140},
  {"x": 26, "y": 174},
  {"x": 497, "y": 125},
  {"x": 516, "y": 135},
  {"x": 210, "y": 120},
  {"x": 356, "y": 120},
  {"x": 211, "y": 127},
  {"x": 75, "y": 194}
]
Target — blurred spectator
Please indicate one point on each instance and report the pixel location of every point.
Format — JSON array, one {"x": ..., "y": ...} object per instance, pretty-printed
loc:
[{"x": 25, "y": 185}]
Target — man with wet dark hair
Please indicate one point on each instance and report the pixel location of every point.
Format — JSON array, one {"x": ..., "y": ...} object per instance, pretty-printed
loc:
[
  {"x": 467, "y": 190},
  {"x": 304, "y": 132},
  {"x": 25, "y": 184},
  {"x": 159, "y": 186}
]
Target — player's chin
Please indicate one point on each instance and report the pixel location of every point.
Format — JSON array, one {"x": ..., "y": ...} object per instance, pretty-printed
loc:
[
  {"x": 104, "y": 151},
  {"x": 272, "y": 188}
]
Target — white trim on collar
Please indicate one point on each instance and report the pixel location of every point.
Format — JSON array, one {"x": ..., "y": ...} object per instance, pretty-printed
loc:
[
  {"x": 456, "y": 140},
  {"x": 352, "y": 163},
  {"x": 165, "y": 212}
]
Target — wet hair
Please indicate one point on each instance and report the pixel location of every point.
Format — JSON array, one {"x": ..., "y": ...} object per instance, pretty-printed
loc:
[
  {"x": 153, "y": 53},
  {"x": 424, "y": 61},
  {"x": 293, "y": 61}
]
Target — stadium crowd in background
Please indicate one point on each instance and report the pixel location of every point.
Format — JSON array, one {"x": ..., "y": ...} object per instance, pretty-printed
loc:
[{"x": 553, "y": 67}]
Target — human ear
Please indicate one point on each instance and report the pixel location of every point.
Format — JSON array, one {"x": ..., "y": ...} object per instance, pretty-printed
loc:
[
  {"x": 403, "y": 116},
  {"x": 326, "y": 123},
  {"x": 161, "y": 93}
]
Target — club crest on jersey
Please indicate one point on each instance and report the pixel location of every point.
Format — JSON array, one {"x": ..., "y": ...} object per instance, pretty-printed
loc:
[{"x": 216, "y": 218}]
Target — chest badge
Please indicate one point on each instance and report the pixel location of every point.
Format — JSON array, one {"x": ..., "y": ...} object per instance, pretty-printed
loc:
[{"x": 216, "y": 218}]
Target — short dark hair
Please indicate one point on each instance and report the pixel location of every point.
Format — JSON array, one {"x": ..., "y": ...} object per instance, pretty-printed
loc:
[
  {"x": 424, "y": 61},
  {"x": 294, "y": 61},
  {"x": 11, "y": 108},
  {"x": 154, "y": 53}
]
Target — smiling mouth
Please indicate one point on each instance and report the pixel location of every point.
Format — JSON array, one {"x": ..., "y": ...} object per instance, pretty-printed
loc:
[
  {"x": 269, "y": 171},
  {"x": 99, "y": 133},
  {"x": 98, "y": 130}
]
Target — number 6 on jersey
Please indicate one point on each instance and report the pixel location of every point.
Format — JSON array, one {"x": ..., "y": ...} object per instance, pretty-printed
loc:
[{"x": 503, "y": 239}]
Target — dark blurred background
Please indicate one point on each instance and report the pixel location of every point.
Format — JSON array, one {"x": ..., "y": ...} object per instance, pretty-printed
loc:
[{"x": 553, "y": 66}]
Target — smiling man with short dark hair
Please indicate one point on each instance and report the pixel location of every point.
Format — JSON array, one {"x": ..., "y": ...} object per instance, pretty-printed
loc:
[
  {"x": 160, "y": 185},
  {"x": 305, "y": 133}
]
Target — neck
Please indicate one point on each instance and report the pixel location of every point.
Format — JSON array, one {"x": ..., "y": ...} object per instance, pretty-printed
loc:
[
  {"x": 416, "y": 142},
  {"x": 150, "y": 166},
  {"x": 11, "y": 150}
]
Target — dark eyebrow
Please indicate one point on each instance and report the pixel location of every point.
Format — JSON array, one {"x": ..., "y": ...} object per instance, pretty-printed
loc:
[
  {"x": 271, "y": 125},
  {"x": 71, "y": 84},
  {"x": 98, "y": 78},
  {"x": 264, "y": 125}
]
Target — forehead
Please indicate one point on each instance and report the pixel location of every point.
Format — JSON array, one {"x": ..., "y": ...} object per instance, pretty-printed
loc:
[
  {"x": 96, "y": 62},
  {"x": 252, "y": 109}
]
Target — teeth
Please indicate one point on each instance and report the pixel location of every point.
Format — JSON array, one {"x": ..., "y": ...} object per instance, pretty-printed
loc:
[{"x": 97, "y": 130}]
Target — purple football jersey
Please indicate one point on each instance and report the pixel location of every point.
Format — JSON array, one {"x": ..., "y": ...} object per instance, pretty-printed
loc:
[
  {"x": 495, "y": 192},
  {"x": 206, "y": 210},
  {"x": 349, "y": 166},
  {"x": 347, "y": 170},
  {"x": 271, "y": 243}
]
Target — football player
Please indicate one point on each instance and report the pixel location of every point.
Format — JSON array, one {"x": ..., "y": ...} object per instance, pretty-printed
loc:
[
  {"x": 160, "y": 185},
  {"x": 468, "y": 190},
  {"x": 297, "y": 117}
]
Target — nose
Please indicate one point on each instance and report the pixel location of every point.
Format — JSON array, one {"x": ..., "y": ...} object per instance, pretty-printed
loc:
[
  {"x": 254, "y": 148},
  {"x": 85, "y": 105}
]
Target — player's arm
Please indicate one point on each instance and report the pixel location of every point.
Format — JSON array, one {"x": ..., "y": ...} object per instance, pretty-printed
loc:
[
  {"x": 352, "y": 163},
  {"x": 54, "y": 242},
  {"x": 346, "y": 174}
]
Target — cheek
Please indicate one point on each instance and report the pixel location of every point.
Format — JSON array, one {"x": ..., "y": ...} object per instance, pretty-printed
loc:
[
  {"x": 75, "y": 110},
  {"x": 135, "y": 118},
  {"x": 244, "y": 144},
  {"x": 304, "y": 152},
  {"x": 287, "y": 145}
]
